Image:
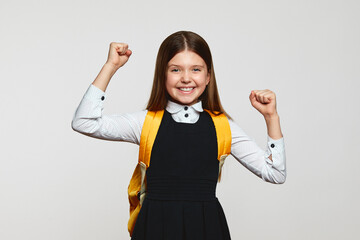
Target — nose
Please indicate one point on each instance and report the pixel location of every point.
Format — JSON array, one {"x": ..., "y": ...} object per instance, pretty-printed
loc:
[{"x": 186, "y": 77}]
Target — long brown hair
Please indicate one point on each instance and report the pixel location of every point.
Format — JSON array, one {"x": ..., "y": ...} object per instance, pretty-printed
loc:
[{"x": 173, "y": 44}]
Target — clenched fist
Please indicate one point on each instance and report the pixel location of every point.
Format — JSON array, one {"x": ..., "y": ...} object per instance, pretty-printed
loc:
[
  {"x": 264, "y": 101},
  {"x": 118, "y": 54}
]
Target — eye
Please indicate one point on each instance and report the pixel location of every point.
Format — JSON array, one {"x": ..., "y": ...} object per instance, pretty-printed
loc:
[
  {"x": 175, "y": 70},
  {"x": 196, "y": 69}
]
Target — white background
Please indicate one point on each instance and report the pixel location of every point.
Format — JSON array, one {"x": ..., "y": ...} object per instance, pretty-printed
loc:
[{"x": 58, "y": 184}]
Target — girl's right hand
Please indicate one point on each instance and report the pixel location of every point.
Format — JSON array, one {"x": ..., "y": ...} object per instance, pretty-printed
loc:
[{"x": 118, "y": 54}]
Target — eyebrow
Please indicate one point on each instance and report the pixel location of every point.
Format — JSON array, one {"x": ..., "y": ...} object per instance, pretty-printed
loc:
[{"x": 202, "y": 66}]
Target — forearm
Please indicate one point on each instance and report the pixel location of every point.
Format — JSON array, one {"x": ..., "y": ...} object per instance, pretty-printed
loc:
[
  {"x": 103, "y": 78},
  {"x": 273, "y": 126}
]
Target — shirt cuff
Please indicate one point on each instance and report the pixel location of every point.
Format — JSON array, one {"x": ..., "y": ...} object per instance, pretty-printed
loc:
[
  {"x": 276, "y": 147},
  {"x": 94, "y": 93}
]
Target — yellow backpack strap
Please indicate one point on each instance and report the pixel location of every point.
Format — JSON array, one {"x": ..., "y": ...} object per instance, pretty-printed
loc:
[
  {"x": 148, "y": 135},
  {"x": 137, "y": 186},
  {"x": 223, "y": 134}
]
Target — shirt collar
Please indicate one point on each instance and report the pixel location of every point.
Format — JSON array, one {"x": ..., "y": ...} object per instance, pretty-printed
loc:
[{"x": 173, "y": 107}]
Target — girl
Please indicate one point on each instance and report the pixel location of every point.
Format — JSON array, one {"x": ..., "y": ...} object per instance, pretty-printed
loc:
[{"x": 181, "y": 180}]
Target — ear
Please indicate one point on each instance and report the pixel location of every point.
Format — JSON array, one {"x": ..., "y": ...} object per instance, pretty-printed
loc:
[{"x": 208, "y": 78}]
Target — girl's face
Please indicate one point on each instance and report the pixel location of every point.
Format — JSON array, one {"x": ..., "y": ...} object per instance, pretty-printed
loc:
[{"x": 186, "y": 77}]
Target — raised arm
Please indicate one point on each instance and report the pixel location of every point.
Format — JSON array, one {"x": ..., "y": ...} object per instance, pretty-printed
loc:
[
  {"x": 270, "y": 165},
  {"x": 265, "y": 102},
  {"x": 88, "y": 118}
]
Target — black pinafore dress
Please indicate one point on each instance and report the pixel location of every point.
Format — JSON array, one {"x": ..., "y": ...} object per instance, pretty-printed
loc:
[{"x": 180, "y": 202}]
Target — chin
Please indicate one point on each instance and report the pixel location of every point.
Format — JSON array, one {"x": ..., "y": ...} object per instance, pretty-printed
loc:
[
  {"x": 183, "y": 101},
  {"x": 190, "y": 102}
]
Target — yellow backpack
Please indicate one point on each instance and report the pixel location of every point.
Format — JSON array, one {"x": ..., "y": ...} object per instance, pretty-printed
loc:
[{"x": 137, "y": 186}]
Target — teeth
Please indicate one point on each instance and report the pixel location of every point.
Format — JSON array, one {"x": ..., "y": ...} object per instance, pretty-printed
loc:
[{"x": 186, "y": 89}]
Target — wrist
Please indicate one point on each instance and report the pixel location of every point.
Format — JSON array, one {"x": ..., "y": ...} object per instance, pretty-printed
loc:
[
  {"x": 111, "y": 67},
  {"x": 273, "y": 116}
]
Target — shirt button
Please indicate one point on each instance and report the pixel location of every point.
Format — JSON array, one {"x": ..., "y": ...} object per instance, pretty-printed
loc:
[
  {"x": 186, "y": 115},
  {"x": 186, "y": 108},
  {"x": 272, "y": 145},
  {"x": 102, "y": 98}
]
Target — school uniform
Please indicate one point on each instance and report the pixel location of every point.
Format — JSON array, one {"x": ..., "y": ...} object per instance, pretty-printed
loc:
[{"x": 180, "y": 201}]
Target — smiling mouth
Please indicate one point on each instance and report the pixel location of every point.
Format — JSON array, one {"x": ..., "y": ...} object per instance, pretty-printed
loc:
[{"x": 188, "y": 89}]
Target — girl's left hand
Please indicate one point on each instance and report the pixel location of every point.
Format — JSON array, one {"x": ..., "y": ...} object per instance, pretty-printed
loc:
[{"x": 264, "y": 101}]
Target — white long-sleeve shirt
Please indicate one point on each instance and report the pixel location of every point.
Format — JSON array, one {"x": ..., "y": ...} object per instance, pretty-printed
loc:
[{"x": 89, "y": 120}]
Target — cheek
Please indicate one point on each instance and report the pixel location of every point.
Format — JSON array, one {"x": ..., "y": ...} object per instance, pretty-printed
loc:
[
  {"x": 201, "y": 79},
  {"x": 170, "y": 80},
  {"x": 169, "y": 84}
]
